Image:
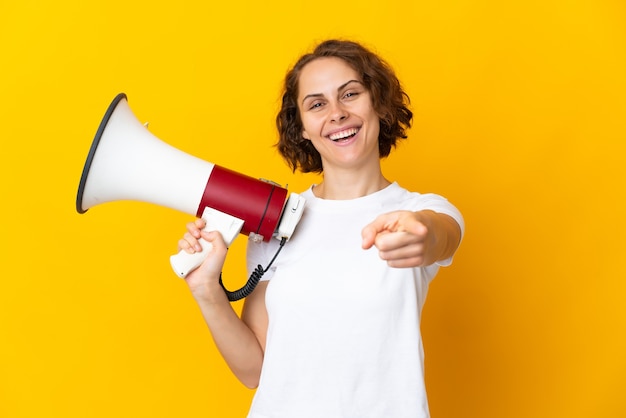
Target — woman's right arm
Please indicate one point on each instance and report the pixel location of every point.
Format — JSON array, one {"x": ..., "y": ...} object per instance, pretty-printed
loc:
[{"x": 241, "y": 341}]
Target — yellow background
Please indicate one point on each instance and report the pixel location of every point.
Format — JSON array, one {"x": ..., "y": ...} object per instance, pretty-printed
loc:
[{"x": 520, "y": 121}]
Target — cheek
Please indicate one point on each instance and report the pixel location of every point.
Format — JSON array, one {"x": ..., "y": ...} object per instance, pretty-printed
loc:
[{"x": 309, "y": 128}]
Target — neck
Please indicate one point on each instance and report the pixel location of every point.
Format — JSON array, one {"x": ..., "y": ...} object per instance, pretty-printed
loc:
[{"x": 349, "y": 185}]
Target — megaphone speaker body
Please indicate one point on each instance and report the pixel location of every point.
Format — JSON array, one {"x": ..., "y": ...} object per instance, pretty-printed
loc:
[{"x": 127, "y": 162}]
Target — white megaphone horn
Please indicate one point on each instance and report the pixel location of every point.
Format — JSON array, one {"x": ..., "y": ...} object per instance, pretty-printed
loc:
[{"x": 127, "y": 162}]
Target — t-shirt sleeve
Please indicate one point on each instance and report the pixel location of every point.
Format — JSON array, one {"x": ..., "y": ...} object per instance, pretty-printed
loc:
[{"x": 440, "y": 204}]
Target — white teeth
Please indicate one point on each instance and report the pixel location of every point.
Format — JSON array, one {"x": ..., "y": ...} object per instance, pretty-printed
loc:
[{"x": 343, "y": 134}]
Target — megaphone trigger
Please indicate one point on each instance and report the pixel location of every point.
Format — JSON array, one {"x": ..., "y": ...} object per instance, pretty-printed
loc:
[
  {"x": 229, "y": 226},
  {"x": 291, "y": 216}
]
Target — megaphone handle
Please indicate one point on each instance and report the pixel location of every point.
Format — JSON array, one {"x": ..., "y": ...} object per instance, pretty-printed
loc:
[
  {"x": 184, "y": 263},
  {"x": 229, "y": 226}
]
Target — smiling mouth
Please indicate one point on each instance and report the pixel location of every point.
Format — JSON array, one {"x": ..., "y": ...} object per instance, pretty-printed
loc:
[{"x": 343, "y": 135}]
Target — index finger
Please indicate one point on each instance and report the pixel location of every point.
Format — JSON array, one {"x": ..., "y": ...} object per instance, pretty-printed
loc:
[{"x": 387, "y": 222}]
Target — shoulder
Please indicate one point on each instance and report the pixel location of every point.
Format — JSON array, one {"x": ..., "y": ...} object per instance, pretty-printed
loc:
[
  {"x": 396, "y": 194},
  {"x": 415, "y": 201}
]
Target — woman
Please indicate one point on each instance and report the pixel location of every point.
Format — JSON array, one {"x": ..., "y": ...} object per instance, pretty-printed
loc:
[{"x": 333, "y": 329}]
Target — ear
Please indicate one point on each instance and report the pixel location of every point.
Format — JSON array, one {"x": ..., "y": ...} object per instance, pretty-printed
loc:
[{"x": 305, "y": 135}]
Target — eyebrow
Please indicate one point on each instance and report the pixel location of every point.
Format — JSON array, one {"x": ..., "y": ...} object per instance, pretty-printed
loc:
[{"x": 344, "y": 85}]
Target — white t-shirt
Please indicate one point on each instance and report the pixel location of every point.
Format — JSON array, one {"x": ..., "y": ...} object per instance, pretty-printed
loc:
[{"x": 344, "y": 328}]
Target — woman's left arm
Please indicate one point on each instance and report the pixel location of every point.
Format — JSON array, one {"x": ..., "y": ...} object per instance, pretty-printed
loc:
[{"x": 413, "y": 239}]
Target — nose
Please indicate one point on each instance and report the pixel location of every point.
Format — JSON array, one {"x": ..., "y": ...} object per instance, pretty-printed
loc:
[{"x": 338, "y": 112}]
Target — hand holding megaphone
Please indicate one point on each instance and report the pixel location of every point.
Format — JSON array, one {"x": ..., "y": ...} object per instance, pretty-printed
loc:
[{"x": 228, "y": 226}]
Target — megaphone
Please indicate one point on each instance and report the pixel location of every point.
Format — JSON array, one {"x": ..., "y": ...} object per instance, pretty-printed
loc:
[{"x": 127, "y": 162}]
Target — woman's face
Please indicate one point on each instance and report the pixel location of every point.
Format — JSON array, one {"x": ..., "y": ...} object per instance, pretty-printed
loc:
[{"x": 337, "y": 114}]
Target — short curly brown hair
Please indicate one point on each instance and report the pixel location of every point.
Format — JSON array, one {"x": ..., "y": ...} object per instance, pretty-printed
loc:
[{"x": 388, "y": 98}]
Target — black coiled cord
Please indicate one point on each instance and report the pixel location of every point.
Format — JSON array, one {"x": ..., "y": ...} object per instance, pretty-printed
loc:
[{"x": 253, "y": 280}]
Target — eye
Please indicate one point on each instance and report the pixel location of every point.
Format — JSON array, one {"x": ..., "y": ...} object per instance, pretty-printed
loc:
[
  {"x": 315, "y": 105},
  {"x": 351, "y": 94}
]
